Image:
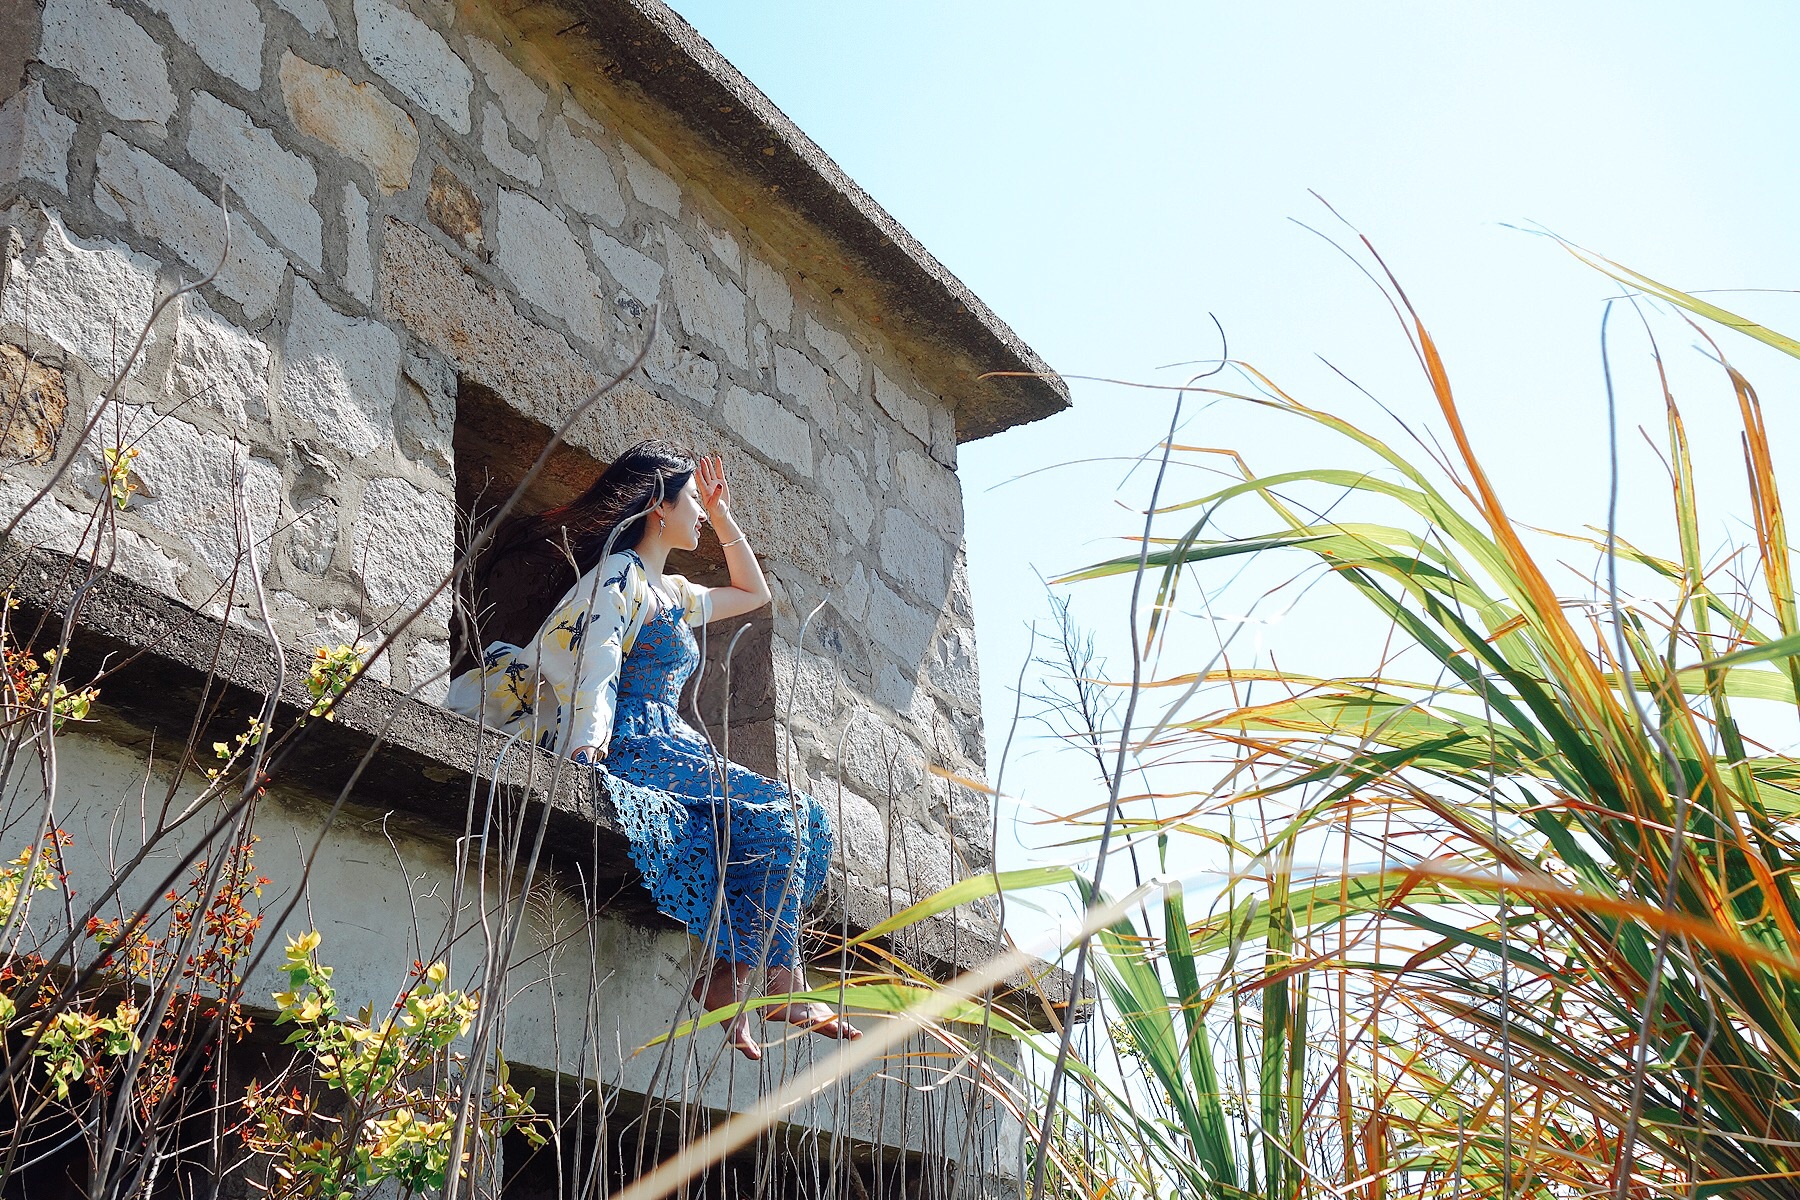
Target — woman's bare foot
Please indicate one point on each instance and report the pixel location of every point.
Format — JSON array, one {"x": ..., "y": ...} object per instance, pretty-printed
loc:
[
  {"x": 724, "y": 985},
  {"x": 813, "y": 1017}
]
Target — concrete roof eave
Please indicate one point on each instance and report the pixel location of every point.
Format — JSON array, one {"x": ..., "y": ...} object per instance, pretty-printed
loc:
[{"x": 641, "y": 59}]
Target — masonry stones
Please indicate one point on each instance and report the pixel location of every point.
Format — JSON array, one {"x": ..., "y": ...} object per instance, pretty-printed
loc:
[
  {"x": 354, "y": 119},
  {"x": 453, "y": 208},
  {"x": 359, "y": 267},
  {"x": 837, "y": 352},
  {"x": 33, "y": 404},
  {"x": 107, "y": 50},
  {"x": 416, "y": 59},
  {"x": 584, "y": 174},
  {"x": 849, "y": 495},
  {"x": 132, "y": 186},
  {"x": 219, "y": 367},
  {"x": 34, "y": 139},
  {"x": 903, "y": 407},
  {"x": 649, "y": 183},
  {"x": 194, "y": 485},
  {"x": 403, "y": 546},
  {"x": 547, "y": 265},
  {"x": 313, "y": 16},
  {"x": 497, "y": 145},
  {"x": 640, "y": 275},
  {"x": 769, "y": 292},
  {"x": 710, "y": 307},
  {"x": 781, "y": 435},
  {"x": 227, "y": 34},
  {"x": 520, "y": 96},
  {"x": 340, "y": 373},
  {"x": 914, "y": 554},
  {"x": 275, "y": 184},
  {"x": 798, "y": 376}
]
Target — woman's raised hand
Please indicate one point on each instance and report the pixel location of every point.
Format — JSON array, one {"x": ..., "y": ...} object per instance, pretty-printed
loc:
[{"x": 715, "y": 493}]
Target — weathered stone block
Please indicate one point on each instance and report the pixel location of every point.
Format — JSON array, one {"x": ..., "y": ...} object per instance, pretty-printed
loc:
[
  {"x": 805, "y": 684},
  {"x": 277, "y": 186},
  {"x": 518, "y": 93},
  {"x": 340, "y": 374},
  {"x": 931, "y": 490},
  {"x": 218, "y": 367},
  {"x": 477, "y": 328},
  {"x": 359, "y": 265},
  {"x": 132, "y": 186},
  {"x": 849, "y": 495},
  {"x": 453, "y": 208},
  {"x": 952, "y": 667},
  {"x": 895, "y": 688},
  {"x": 770, "y": 293},
  {"x": 192, "y": 486},
  {"x": 311, "y": 538},
  {"x": 416, "y": 59},
  {"x": 904, "y": 407},
  {"x": 33, "y": 403},
  {"x": 405, "y": 541},
  {"x": 428, "y": 670},
  {"x": 34, "y": 139},
  {"x": 308, "y": 627},
  {"x": 639, "y": 274},
  {"x": 497, "y": 145},
  {"x": 724, "y": 247},
  {"x": 89, "y": 297},
  {"x": 781, "y": 435},
  {"x": 227, "y": 34},
  {"x": 914, "y": 554},
  {"x": 649, "y": 183},
  {"x": 837, "y": 352},
  {"x": 800, "y": 378},
  {"x": 56, "y": 526},
  {"x": 854, "y": 592},
  {"x": 943, "y": 435},
  {"x": 926, "y": 865},
  {"x": 904, "y": 628},
  {"x": 881, "y": 764},
  {"x": 680, "y": 368},
  {"x": 710, "y": 307},
  {"x": 547, "y": 265},
  {"x": 354, "y": 119},
  {"x": 427, "y": 420},
  {"x": 860, "y": 833},
  {"x": 313, "y": 16},
  {"x": 111, "y": 53},
  {"x": 584, "y": 174}
]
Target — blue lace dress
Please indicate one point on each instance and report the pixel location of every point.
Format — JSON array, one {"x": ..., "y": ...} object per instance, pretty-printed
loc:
[
  {"x": 734, "y": 856},
  {"x": 716, "y": 842}
]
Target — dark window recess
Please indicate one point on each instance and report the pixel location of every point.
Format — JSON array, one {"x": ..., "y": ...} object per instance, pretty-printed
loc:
[{"x": 495, "y": 445}]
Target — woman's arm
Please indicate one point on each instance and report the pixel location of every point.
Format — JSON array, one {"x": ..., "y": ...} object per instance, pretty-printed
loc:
[{"x": 749, "y": 591}]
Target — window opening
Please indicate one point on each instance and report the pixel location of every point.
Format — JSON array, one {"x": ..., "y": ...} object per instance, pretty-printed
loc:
[{"x": 494, "y": 445}]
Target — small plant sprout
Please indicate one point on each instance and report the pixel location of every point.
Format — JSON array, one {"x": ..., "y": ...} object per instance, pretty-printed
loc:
[
  {"x": 331, "y": 671},
  {"x": 117, "y": 476}
]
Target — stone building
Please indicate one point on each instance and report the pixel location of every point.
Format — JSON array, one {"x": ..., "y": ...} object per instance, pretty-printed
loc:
[{"x": 449, "y": 220}]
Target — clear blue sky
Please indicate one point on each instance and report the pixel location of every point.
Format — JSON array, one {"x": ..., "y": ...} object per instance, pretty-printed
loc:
[{"x": 1104, "y": 176}]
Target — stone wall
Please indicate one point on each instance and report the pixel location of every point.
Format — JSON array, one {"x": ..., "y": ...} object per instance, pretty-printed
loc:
[{"x": 419, "y": 202}]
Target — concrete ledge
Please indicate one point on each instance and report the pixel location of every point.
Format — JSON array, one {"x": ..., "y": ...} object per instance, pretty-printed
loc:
[
  {"x": 643, "y": 58},
  {"x": 163, "y": 662}
]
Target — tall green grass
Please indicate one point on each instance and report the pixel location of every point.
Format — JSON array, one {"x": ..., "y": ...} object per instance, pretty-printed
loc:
[{"x": 1559, "y": 953}]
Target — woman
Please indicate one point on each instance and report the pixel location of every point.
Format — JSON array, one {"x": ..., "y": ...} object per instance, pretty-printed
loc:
[{"x": 733, "y": 855}]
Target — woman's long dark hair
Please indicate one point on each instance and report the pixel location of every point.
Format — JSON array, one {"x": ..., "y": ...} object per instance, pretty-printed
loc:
[{"x": 528, "y": 566}]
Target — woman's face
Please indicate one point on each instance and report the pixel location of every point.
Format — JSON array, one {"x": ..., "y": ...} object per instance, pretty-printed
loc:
[{"x": 682, "y": 517}]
